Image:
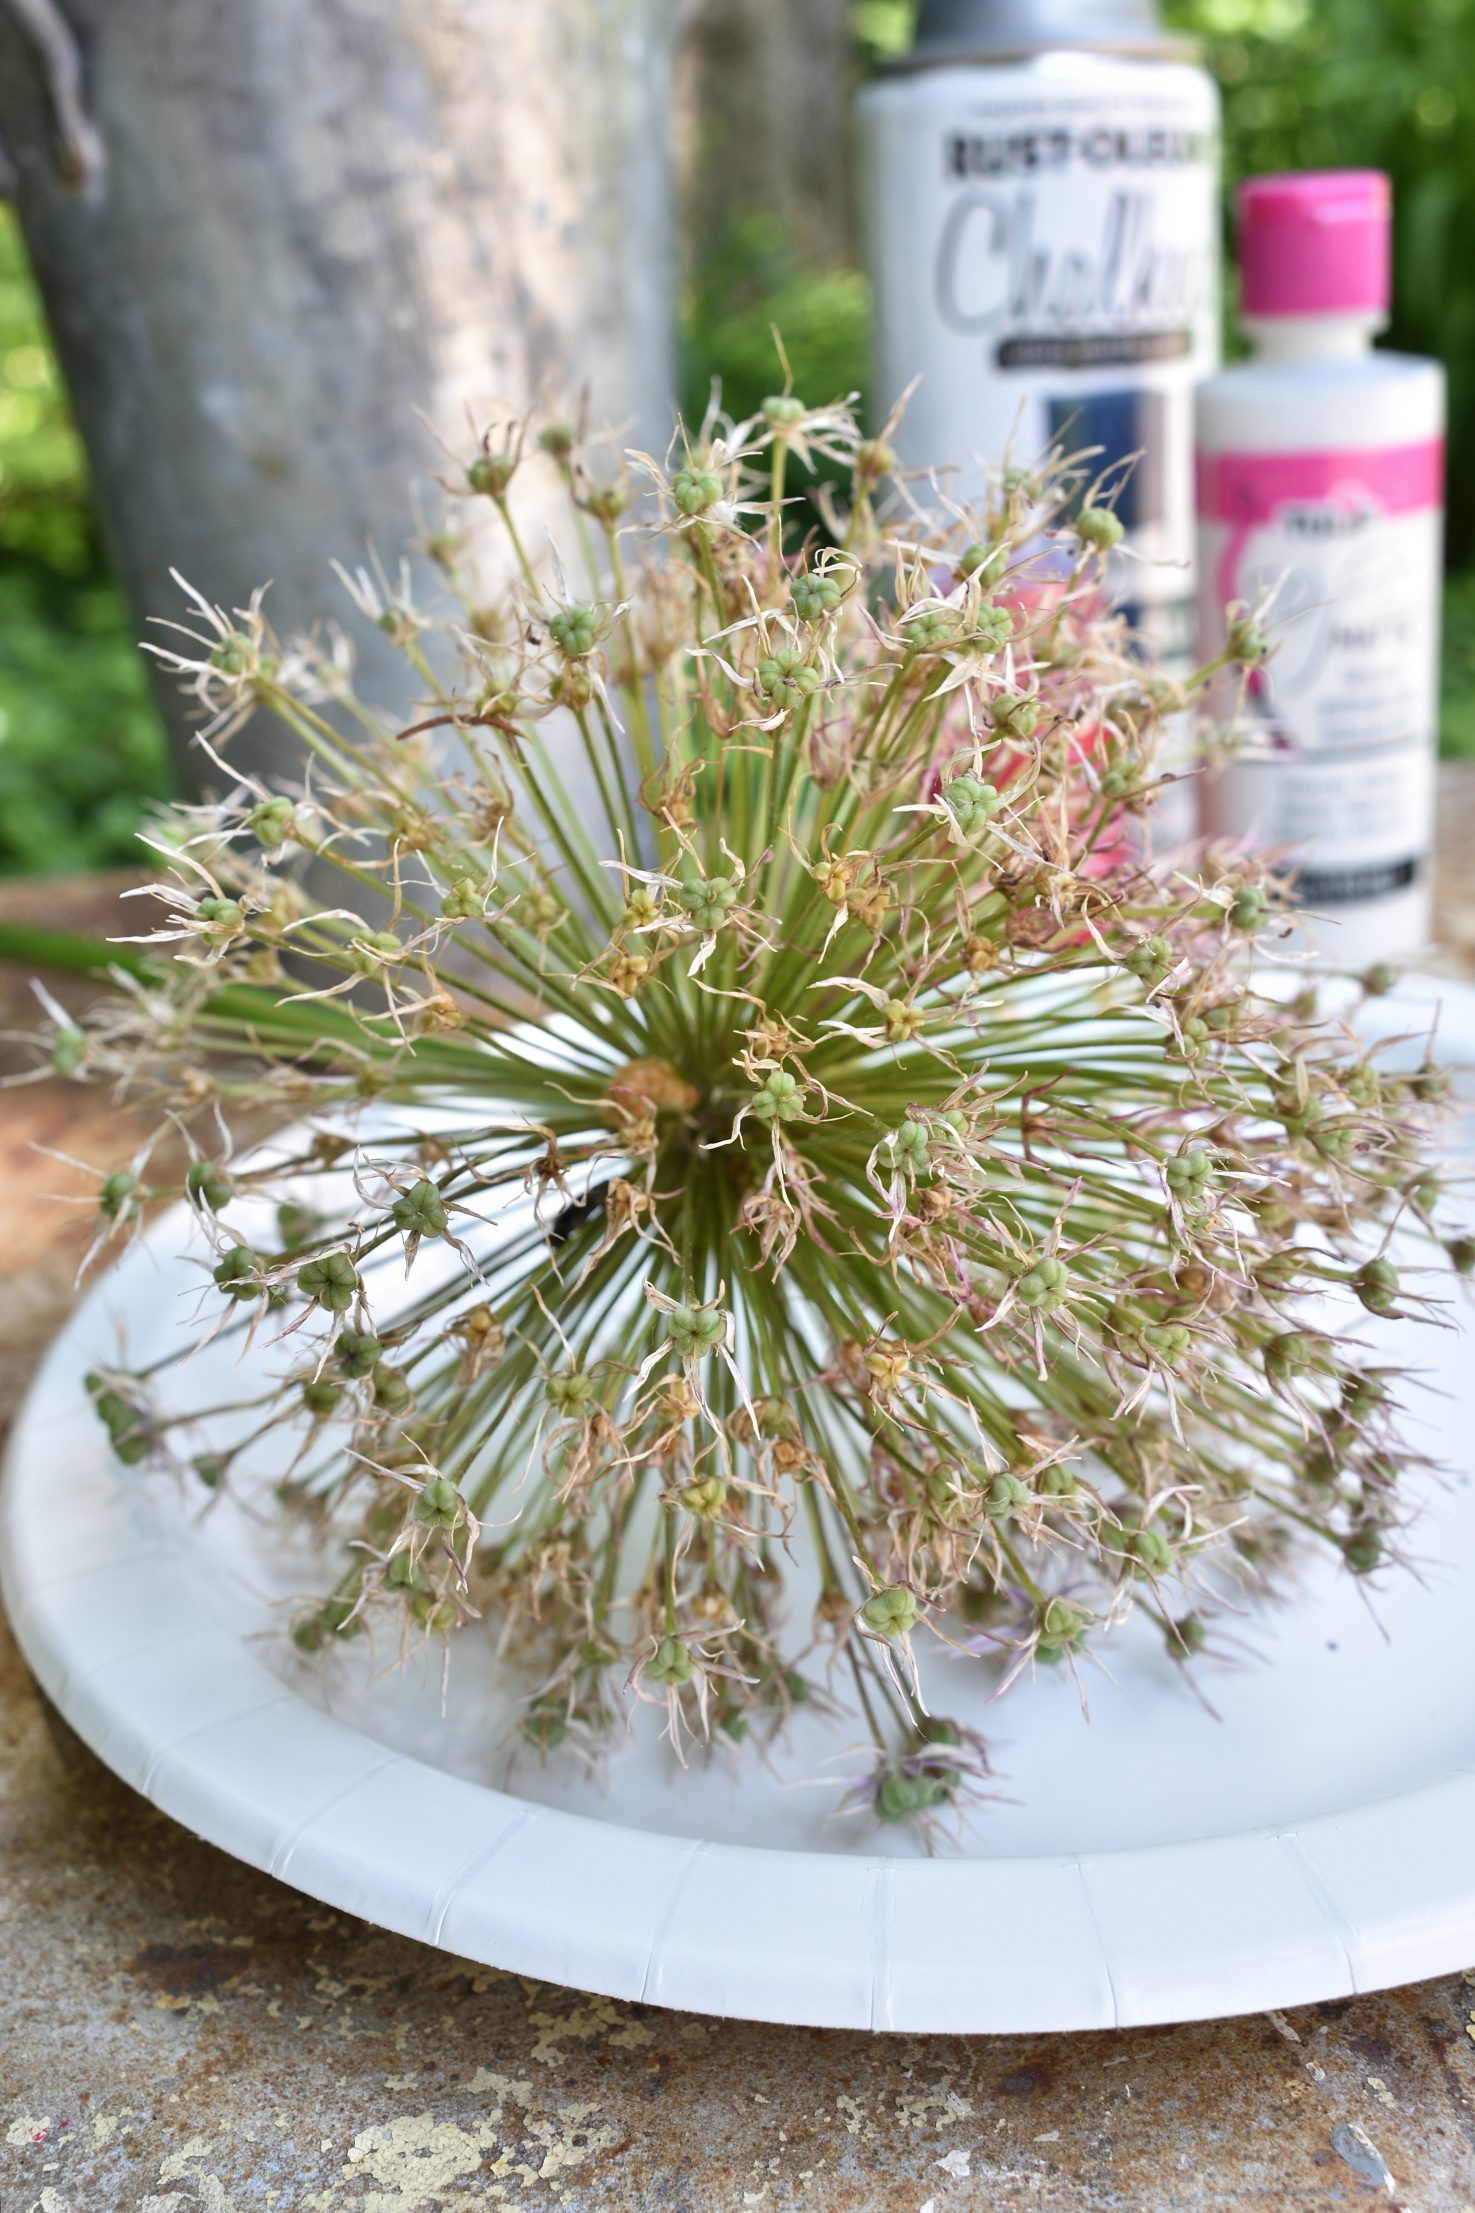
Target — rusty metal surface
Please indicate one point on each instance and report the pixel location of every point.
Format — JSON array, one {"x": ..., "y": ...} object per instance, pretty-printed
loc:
[{"x": 180, "y": 2033}]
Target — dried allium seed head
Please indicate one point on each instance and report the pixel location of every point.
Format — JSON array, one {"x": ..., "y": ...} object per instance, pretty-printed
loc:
[{"x": 835, "y": 998}]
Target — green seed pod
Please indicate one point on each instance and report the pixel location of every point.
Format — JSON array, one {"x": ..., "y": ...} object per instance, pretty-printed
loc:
[
  {"x": 779, "y": 1099},
  {"x": 439, "y": 1503},
  {"x": 786, "y": 672},
  {"x": 392, "y": 1392},
  {"x": 1186, "y": 1636},
  {"x": 436, "y": 1616},
  {"x": 357, "y": 1351},
  {"x": 695, "y": 490},
  {"x": 1362, "y": 1390},
  {"x": 695, "y": 1330},
  {"x": 238, "y": 1273},
  {"x": 573, "y": 631},
  {"x": 971, "y": 803},
  {"x": 544, "y": 1726},
  {"x": 127, "y": 1426},
  {"x": 69, "y": 1051},
  {"x": 909, "y": 1146},
  {"x": 1015, "y": 714},
  {"x": 322, "y": 1397},
  {"x": 1007, "y": 1496},
  {"x": 1248, "y": 909},
  {"x": 559, "y": 440},
  {"x": 116, "y": 1197},
  {"x": 1148, "y": 1550},
  {"x": 273, "y": 821},
  {"x": 705, "y": 1498},
  {"x": 1044, "y": 1285},
  {"x": 815, "y": 596},
  {"x": 538, "y": 909},
  {"x": 211, "y": 1468},
  {"x": 1319, "y": 1471},
  {"x": 1151, "y": 960},
  {"x": 1376, "y": 1284},
  {"x": 670, "y": 1663},
  {"x": 371, "y": 953},
  {"x": 900, "y": 1797},
  {"x": 1167, "y": 1342},
  {"x": 1187, "y": 1174},
  {"x": 708, "y": 902},
  {"x": 1060, "y": 1626},
  {"x": 1289, "y": 1354},
  {"x": 1247, "y": 643},
  {"x": 335, "y": 1618},
  {"x": 1430, "y": 1084},
  {"x": 405, "y": 1574},
  {"x": 1057, "y": 1481},
  {"x": 569, "y": 1394},
  {"x": 491, "y": 473},
  {"x": 223, "y": 915},
  {"x": 993, "y": 627},
  {"x": 1461, "y": 1251},
  {"x": 332, "y": 1282},
  {"x": 211, "y": 1185},
  {"x": 933, "y": 628},
  {"x": 1362, "y": 1549},
  {"x": 783, "y": 411},
  {"x": 463, "y": 901},
  {"x": 1098, "y": 528},
  {"x": 1379, "y": 979},
  {"x": 891, "y": 1612},
  {"x": 420, "y": 1212}
]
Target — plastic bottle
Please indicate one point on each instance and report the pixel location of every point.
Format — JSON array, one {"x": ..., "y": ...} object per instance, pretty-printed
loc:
[
  {"x": 1041, "y": 200},
  {"x": 1320, "y": 474}
]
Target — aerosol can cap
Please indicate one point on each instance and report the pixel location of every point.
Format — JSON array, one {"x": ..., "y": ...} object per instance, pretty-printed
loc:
[{"x": 965, "y": 30}]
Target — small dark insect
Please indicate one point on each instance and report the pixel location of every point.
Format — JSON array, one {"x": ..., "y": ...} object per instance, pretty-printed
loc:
[{"x": 577, "y": 1213}]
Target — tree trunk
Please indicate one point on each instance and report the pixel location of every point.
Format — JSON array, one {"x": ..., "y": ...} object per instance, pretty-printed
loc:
[
  {"x": 763, "y": 109},
  {"x": 317, "y": 216}
]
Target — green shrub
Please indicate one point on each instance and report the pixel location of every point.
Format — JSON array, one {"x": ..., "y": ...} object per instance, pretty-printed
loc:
[{"x": 81, "y": 748}]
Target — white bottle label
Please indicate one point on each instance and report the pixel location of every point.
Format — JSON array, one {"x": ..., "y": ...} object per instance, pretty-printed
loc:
[
  {"x": 1337, "y": 731},
  {"x": 1044, "y": 244}
]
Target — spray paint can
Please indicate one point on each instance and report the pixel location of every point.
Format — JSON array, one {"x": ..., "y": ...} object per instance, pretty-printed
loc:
[
  {"x": 1321, "y": 470},
  {"x": 1041, "y": 212}
]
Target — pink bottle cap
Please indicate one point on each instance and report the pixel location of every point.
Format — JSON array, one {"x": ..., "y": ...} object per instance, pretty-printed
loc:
[{"x": 1317, "y": 243}]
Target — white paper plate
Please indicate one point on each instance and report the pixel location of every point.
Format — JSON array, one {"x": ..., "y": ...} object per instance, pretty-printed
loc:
[{"x": 1160, "y": 1864}]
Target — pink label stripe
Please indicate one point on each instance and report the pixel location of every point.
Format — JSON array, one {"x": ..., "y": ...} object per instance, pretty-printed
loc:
[{"x": 1248, "y": 488}]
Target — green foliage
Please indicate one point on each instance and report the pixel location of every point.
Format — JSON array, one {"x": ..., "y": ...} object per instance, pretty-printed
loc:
[
  {"x": 749, "y": 287},
  {"x": 81, "y": 749},
  {"x": 1375, "y": 84},
  {"x": 1457, "y": 708},
  {"x": 45, "y": 513}
]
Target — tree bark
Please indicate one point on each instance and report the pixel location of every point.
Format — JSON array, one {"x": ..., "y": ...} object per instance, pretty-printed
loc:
[
  {"x": 763, "y": 112},
  {"x": 317, "y": 216}
]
